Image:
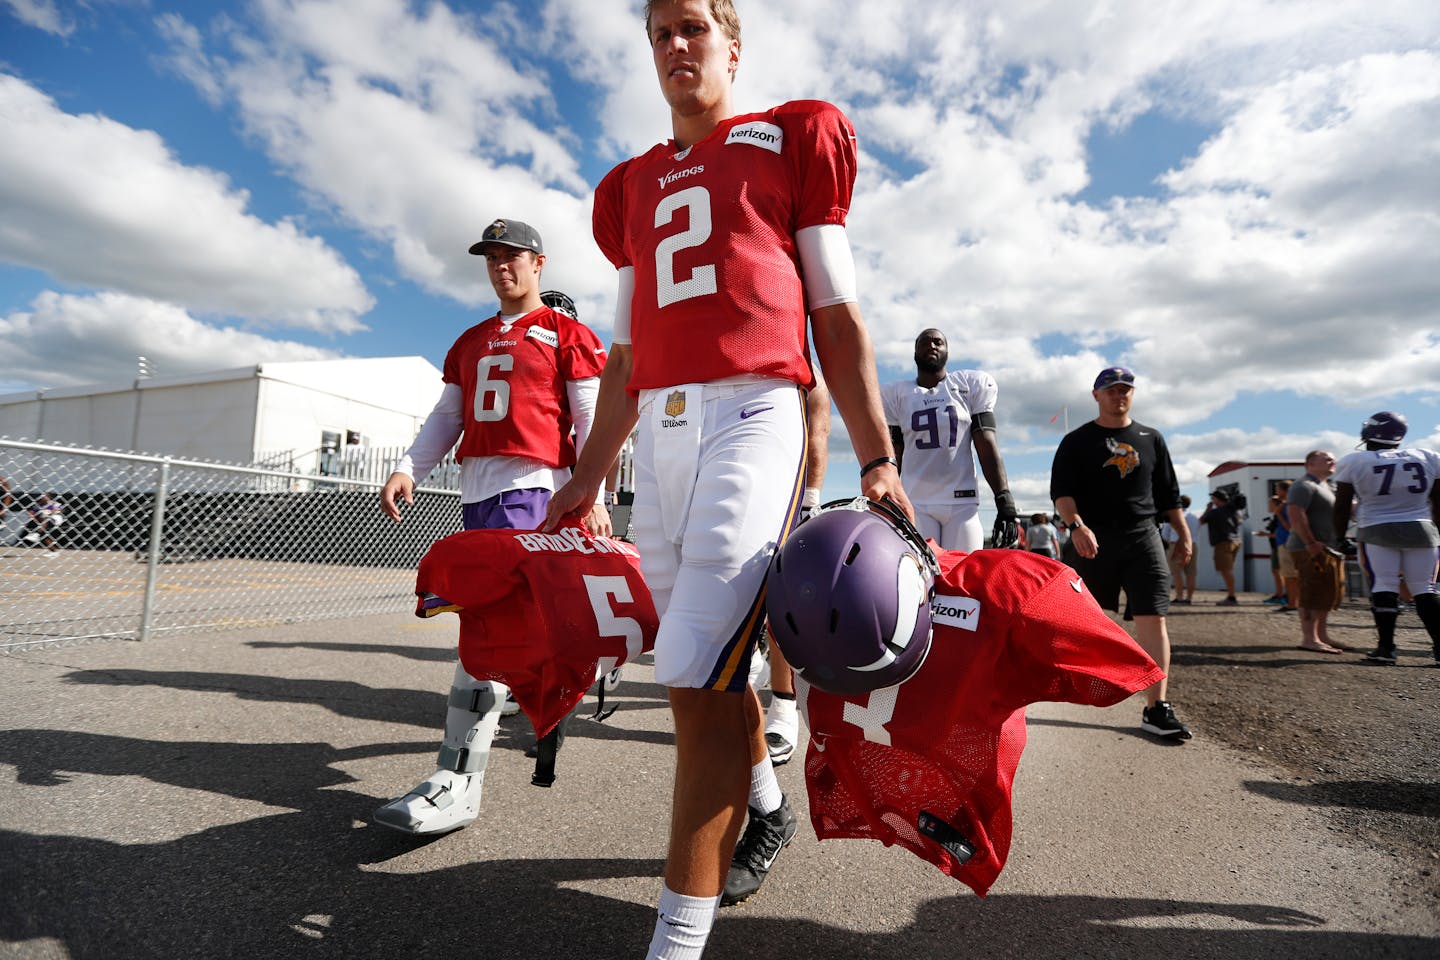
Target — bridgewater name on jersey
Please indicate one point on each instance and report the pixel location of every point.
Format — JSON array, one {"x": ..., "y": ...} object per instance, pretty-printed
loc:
[
  {"x": 540, "y": 612},
  {"x": 512, "y": 378},
  {"x": 710, "y": 232},
  {"x": 929, "y": 763}
]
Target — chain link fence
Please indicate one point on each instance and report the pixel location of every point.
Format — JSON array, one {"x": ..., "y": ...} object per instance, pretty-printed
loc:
[{"x": 103, "y": 545}]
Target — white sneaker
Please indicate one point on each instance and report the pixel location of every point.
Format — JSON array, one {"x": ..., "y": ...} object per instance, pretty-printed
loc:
[
  {"x": 612, "y": 679},
  {"x": 511, "y": 706},
  {"x": 447, "y": 801}
]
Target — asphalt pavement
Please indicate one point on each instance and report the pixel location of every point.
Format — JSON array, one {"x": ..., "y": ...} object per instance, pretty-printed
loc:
[{"x": 208, "y": 795}]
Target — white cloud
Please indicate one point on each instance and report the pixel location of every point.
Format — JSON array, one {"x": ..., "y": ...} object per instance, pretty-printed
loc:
[
  {"x": 42, "y": 15},
  {"x": 99, "y": 204},
  {"x": 98, "y": 338},
  {"x": 417, "y": 128}
]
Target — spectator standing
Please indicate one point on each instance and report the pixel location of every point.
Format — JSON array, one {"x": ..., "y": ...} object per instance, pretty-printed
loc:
[
  {"x": 1111, "y": 479},
  {"x": 711, "y": 233},
  {"x": 1320, "y": 568},
  {"x": 1040, "y": 537},
  {"x": 935, "y": 421},
  {"x": 1398, "y": 490},
  {"x": 1289, "y": 576},
  {"x": 515, "y": 386},
  {"x": 1185, "y": 572},
  {"x": 1222, "y": 520}
]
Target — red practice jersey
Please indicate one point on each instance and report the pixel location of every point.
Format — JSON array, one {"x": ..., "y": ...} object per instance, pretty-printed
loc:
[
  {"x": 540, "y": 612},
  {"x": 710, "y": 231},
  {"x": 514, "y": 384},
  {"x": 928, "y": 764}
]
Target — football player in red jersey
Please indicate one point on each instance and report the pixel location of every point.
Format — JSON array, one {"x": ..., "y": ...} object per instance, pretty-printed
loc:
[
  {"x": 723, "y": 238},
  {"x": 516, "y": 385}
]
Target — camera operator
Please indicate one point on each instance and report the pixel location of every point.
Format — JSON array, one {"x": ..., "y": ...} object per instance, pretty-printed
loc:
[{"x": 1222, "y": 518}]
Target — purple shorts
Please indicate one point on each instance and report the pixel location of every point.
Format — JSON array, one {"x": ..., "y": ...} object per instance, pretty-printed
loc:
[{"x": 511, "y": 510}]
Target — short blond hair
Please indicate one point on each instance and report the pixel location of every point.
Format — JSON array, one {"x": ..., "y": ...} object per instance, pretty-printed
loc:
[{"x": 722, "y": 10}]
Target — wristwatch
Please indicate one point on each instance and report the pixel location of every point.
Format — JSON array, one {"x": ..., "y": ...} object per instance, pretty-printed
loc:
[{"x": 1074, "y": 525}]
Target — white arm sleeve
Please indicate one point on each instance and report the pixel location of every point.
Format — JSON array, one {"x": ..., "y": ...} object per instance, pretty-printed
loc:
[
  {"x": 625, "y": 291},
  {"x": 582, "y": 395},
  {"x": 436, "y": 437},
  {"x": 828, "y": 265}
]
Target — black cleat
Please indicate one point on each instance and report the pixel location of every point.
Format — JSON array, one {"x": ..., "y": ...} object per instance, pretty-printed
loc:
[{"x": 764, "y": 837}]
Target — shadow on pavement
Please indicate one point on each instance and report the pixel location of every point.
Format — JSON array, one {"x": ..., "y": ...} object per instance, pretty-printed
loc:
[{"x": 1391, "y": 796}]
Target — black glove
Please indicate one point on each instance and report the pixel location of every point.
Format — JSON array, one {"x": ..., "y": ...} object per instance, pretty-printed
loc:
[{"x": 1007, "y": 531}]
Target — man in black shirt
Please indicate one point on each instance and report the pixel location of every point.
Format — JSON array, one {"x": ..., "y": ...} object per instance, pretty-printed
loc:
[{"x": 1112, "y": 482}]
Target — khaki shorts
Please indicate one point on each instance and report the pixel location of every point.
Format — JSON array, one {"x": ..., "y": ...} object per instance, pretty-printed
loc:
[
  {"x": 1225, "y": 552},
  {"x": 1191, "y": 565},
  {"x": 1322, "y": 581},
  {"x": 1287, "y": 563}
]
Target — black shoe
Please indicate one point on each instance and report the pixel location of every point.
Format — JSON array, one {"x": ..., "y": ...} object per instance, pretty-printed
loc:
[
  {"x": 1381, "y": 656},
  {"x": 1227, "y": 602},
  {"x": 1160, "y": 720},
  {"x": 780, "y": 749},
  {"x": 764, "y": 837}
]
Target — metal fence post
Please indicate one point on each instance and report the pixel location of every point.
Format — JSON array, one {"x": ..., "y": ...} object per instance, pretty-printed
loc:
[{"x": 152, "y": 560}]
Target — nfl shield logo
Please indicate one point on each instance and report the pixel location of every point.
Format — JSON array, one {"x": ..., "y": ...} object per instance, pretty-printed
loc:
[{"x": 675, "y": 403}]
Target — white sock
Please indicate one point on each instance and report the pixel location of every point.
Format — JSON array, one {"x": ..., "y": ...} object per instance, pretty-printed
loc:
[
  {"x": 783, "y": 716},
  {"x": 683, "y": 926},
  {"x": 765, "y": 794}
]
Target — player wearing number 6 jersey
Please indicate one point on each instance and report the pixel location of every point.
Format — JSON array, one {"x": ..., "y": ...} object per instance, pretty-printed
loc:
[
  {"x": 935, "y": 419},
  {"x": 516, "y": 387},
  {"x": 724, "y": 238},
  {"x": 1399, "y": 494}
]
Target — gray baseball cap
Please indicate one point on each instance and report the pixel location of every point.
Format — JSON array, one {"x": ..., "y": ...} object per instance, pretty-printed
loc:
[{"x": 509, "y": 233}]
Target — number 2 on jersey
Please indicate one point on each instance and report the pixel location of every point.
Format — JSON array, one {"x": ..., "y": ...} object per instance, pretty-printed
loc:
[{"x": 702, "y": 278}]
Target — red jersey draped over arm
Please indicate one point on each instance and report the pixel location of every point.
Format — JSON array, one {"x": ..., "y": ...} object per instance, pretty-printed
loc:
[
  {"x": 928, "y": 764},
  {"x": 541, "y": 611},
  {"x": 710, "y": 231},
  {"x": 513, "y": 380}
]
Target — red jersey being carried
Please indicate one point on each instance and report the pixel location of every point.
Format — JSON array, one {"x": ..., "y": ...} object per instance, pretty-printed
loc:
[
  {"x": 513, "y": 378},
  {"x": 710, "y": 231},
  {"x": 540, "y": 612},
  {"x": 928, "y": 764}
]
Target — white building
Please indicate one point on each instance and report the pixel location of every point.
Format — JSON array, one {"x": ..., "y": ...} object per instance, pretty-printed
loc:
[{"x": 294, "y": 415}]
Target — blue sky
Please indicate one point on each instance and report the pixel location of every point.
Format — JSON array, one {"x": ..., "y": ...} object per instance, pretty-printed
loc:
[{"x": 1236, "y": 199}]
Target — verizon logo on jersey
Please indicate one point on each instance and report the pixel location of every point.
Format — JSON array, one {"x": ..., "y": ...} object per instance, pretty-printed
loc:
[
  {"x": 962, "y": 612},
  {"x": 549, "y": 337},
  {"x": 757, "y": 133}
]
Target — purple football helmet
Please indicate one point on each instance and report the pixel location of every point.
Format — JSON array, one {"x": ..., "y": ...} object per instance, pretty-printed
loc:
[
  {"x": 848, "y": 596},
  {"x": 1384, "y": 429}
]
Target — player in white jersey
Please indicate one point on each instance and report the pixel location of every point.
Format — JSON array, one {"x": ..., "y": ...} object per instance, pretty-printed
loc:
[
  {"x": 934, "y": 422},
  {"x": 1399, "y": 508}
]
